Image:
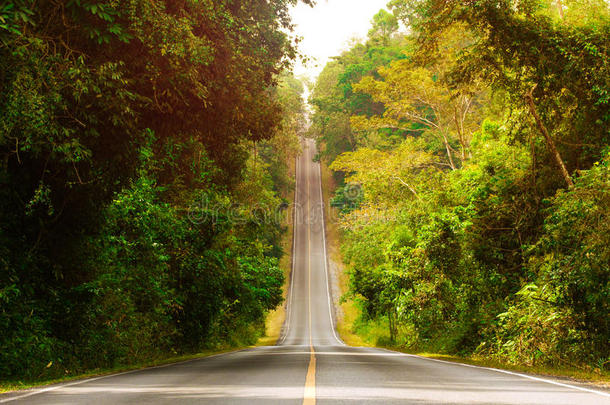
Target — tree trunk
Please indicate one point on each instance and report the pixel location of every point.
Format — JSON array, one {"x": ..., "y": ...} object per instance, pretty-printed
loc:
[
  {"x": 460, "y": 130},
  {"x": 560, "y": 8},
  {"x": 549, "y": 141},
  {"x": 392, "y": 324},
  {"x": 448, "y": 148}
]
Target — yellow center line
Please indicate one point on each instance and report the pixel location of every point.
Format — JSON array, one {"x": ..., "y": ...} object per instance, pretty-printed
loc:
[{"x": 309, "y": 395}]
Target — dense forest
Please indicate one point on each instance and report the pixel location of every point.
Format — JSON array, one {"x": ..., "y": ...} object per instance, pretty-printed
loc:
[
  {"x": 139, "y": 142},
  {"x": 470, "y": 141}
]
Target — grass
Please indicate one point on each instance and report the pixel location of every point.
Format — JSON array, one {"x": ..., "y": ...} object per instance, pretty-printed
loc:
[
  {"x": 8, "y": 386},
  {"x": 601, "y": 380}
]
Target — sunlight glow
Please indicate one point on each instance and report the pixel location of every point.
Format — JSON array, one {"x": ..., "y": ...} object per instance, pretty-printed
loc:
[{"x": 327, "y": 28}]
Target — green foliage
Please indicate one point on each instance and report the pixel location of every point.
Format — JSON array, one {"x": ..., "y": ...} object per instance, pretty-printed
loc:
[
  {"x": 384, "y": 25},
  {"x": 570, "y": 262},
  {"x": 463, "y": 239},
  {"x": 333, "y": 95},
  {"x": 126, "y": 132}
]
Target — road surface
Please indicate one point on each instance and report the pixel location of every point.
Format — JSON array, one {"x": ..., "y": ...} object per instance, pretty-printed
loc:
[{"x": 310, "y": 364}]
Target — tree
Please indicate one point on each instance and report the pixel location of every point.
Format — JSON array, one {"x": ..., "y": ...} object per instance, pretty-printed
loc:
[
  {"x": 384, "y": 25},
  {"x": 421, "y": 99}
]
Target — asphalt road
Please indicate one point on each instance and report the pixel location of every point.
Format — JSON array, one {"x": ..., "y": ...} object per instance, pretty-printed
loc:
[{"x": 310, "y": 363}]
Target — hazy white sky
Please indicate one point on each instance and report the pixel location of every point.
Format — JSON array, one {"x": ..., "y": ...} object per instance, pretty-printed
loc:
[{"x": 327, "y": 28}]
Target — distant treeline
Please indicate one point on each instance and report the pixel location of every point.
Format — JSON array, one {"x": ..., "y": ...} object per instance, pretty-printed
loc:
[
  {"x": 478, "y": 134},
  {"x": 122, "y": 125}
]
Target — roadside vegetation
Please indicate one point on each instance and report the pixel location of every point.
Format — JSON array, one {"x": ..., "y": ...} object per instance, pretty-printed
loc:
[
  {"x": 470, "y": 145},
  {"x": 144, "y": 149}
]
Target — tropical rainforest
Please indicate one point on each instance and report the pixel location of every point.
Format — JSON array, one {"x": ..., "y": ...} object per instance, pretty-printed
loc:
[
  {"x": 140, "y": 143},
  {"x": 470, "y": 144}
]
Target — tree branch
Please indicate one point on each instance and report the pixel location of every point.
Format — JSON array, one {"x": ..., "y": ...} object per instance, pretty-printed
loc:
[
  {"x": 549, "y": 141},
  {"x": 404, "y": 183}
]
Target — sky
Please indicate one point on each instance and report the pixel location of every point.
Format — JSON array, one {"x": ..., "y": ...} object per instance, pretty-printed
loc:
[{"x": 327, "y": 28}]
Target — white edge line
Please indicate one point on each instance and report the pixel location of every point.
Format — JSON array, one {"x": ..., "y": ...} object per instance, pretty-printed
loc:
[
  {"x": 498, "y": 370},
  {"x": 294, "y": 244},
  {"x": 87, "y": 380},
  {"x": 330, "y": 312}
]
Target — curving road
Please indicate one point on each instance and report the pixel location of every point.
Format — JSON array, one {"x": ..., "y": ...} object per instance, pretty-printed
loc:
[{"x": 310, "y": 363}]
